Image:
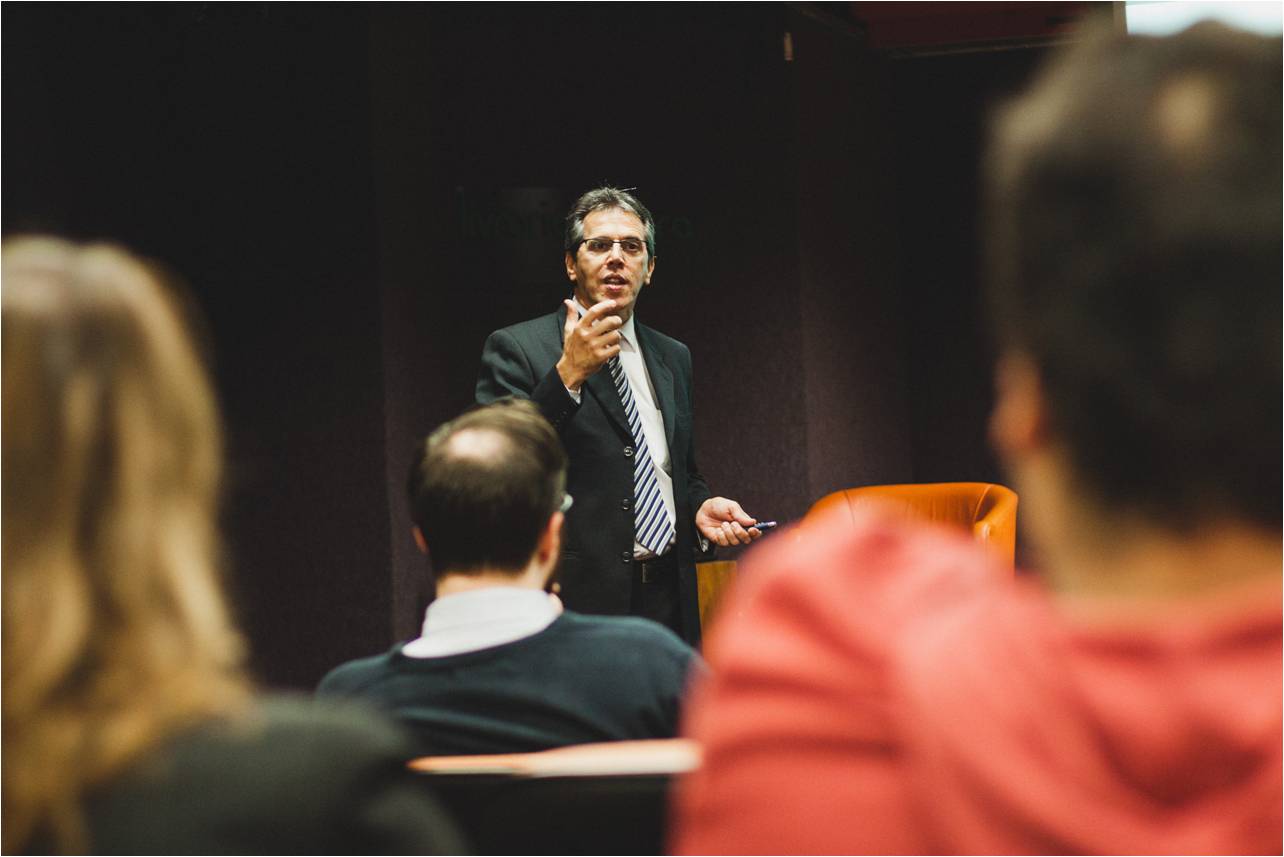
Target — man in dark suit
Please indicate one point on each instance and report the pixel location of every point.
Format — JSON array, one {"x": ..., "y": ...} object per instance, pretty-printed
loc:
[{"x": 619, "y": 395}]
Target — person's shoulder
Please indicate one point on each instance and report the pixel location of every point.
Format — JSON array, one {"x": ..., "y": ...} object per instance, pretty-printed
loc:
[
  {"x": 290, "y": 774},
  {"x": 662, "y": 340},
  {"x": 296, "y": 738},
  {"x": 630, "y": 630},
  {"x": 284, "y": 719},
  {"x": 282, "y": 739},
  {"x": 874, "y": 549},
  {"x": 622, "y": 649},
  {"x": 862, "y": 576},
  {"x": 353, "y": 676},
  {"x": 536, "y": 326}
]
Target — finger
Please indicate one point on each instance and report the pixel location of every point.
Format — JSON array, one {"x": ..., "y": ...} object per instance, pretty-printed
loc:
[
  {"x": 719, "y": 535},
  {"x": 607, "y": 324},
  {"x": 729, "y": 530},
  {"x": 605, "y": 338},
  {"x": 598, "y": 310},
  {"x": 737, "y": 514},
  {"x": 739, "y": 534},
  {"x": 572, "y": 319}
]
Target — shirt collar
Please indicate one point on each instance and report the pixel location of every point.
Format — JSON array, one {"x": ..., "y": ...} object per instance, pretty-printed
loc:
[
  {"x": 482, "y": 618},
  {"x": 628, "y": 331},
  {"x": 492, "y": 605}
]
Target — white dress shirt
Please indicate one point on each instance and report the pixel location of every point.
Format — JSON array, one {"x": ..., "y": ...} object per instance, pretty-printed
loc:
[
  {"x": 481, "y": 619},
  {"x": 651, "y": 418}
]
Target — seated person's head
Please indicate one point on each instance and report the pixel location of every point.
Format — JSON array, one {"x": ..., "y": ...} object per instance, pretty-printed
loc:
[
  {"x": 1135, "y": 216},
  {"x": 115, "y": 631},
  {"x": 487, "y": 493}
]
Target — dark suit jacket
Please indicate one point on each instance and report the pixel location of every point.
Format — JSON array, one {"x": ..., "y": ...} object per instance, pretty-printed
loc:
[{"x": 597, "y": 556}]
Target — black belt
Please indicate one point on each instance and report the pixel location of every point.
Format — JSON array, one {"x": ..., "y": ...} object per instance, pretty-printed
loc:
[{"x": 660, "y": 568}]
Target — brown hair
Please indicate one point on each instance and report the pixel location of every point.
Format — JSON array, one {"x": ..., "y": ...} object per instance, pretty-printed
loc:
[
  {"x": 1135, "y": 225},
  {"x": 115, "y": 630},
  {"x": 483, "y": 486}
]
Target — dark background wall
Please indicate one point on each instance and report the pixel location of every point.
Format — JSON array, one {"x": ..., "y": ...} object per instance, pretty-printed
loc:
[{"x": 357, "y": 195}]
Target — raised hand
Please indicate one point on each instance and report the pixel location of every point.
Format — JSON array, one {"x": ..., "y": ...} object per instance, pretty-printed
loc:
[{"x": 588, "y": 341}]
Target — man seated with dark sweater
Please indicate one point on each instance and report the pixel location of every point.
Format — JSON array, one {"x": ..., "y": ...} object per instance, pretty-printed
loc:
[{"x": 501, "y": 667}]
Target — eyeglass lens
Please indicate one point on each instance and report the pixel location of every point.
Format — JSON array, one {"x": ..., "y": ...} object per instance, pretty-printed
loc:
[{"x": 630, "y": 246}]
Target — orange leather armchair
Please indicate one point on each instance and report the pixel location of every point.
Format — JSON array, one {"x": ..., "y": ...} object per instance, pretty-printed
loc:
[{"x": 985, "y": 510}]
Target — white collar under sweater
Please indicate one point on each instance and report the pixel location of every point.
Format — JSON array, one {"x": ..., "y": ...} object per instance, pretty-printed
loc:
[{"x": 482, "y": 619}]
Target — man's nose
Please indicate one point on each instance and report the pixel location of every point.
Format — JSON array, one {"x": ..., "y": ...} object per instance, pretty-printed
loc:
[{"x": 616, "y": 254}]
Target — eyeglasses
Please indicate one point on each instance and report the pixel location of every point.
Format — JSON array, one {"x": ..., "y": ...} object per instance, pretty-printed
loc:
[{"x": 600, "y": 246}]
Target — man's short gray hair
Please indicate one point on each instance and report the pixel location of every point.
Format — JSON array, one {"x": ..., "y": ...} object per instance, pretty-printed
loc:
[{"x": 602, "y": 198}]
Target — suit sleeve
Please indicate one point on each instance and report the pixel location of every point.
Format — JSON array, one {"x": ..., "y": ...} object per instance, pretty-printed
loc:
[
  {"x": 697, "y": 488},
  {"x": 506, "y": 370}
]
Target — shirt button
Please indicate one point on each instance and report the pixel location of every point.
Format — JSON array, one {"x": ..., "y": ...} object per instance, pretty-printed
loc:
[
  {"x": 626, "y": 557},
  {"x": 628, "y": 452}
]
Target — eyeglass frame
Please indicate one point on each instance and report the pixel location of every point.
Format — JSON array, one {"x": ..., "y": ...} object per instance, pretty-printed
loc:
[{"x": 614, "y": 241}]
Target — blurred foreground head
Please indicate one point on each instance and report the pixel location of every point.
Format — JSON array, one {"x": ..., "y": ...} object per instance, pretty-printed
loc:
[
  {"x": 115, "y": 630},
  {"x": 1136, "y": 259}
]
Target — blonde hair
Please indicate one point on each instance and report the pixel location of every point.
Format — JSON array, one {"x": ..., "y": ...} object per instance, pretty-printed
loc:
[{"x": 116, "y": 635}]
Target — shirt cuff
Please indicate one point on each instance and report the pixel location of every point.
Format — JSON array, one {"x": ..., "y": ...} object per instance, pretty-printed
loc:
[{"x": 574, "y": 394}]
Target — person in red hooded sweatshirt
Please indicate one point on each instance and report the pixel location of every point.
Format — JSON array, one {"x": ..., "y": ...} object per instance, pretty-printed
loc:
[{"x": 878, "y": 688}]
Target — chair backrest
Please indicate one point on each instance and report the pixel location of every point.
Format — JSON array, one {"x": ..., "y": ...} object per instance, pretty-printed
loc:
[
  {"x": 653, "y": 756},
  {"x": 984, "y": 509},
  {"x": 610, "y": 798}
]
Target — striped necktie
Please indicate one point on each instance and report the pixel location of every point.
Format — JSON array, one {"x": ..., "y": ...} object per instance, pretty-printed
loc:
[{"x": 652, "y": 526}]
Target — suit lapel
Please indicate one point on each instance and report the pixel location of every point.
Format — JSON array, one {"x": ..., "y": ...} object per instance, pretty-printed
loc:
[
  {"x": 602, "y": 387},
  {"x": 661, "y": 379}
]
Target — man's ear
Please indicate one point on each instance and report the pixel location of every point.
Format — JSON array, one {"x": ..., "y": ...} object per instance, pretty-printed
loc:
[
  {"x": 570, "y": 266},
  {"x": 650, "y": 270},
  {"x": 550, "y": 540},
  {"x": 1019, "y": 422},
  {"x": 420, "y": 540}
]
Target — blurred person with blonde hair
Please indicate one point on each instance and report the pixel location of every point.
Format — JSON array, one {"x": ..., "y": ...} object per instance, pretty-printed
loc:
[{"x": 128, "y": 720}]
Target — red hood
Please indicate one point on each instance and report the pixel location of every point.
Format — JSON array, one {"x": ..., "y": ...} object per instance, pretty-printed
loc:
[
  {"x": 1145, "y": 733},
  {"x": 882, "y": 688}
]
